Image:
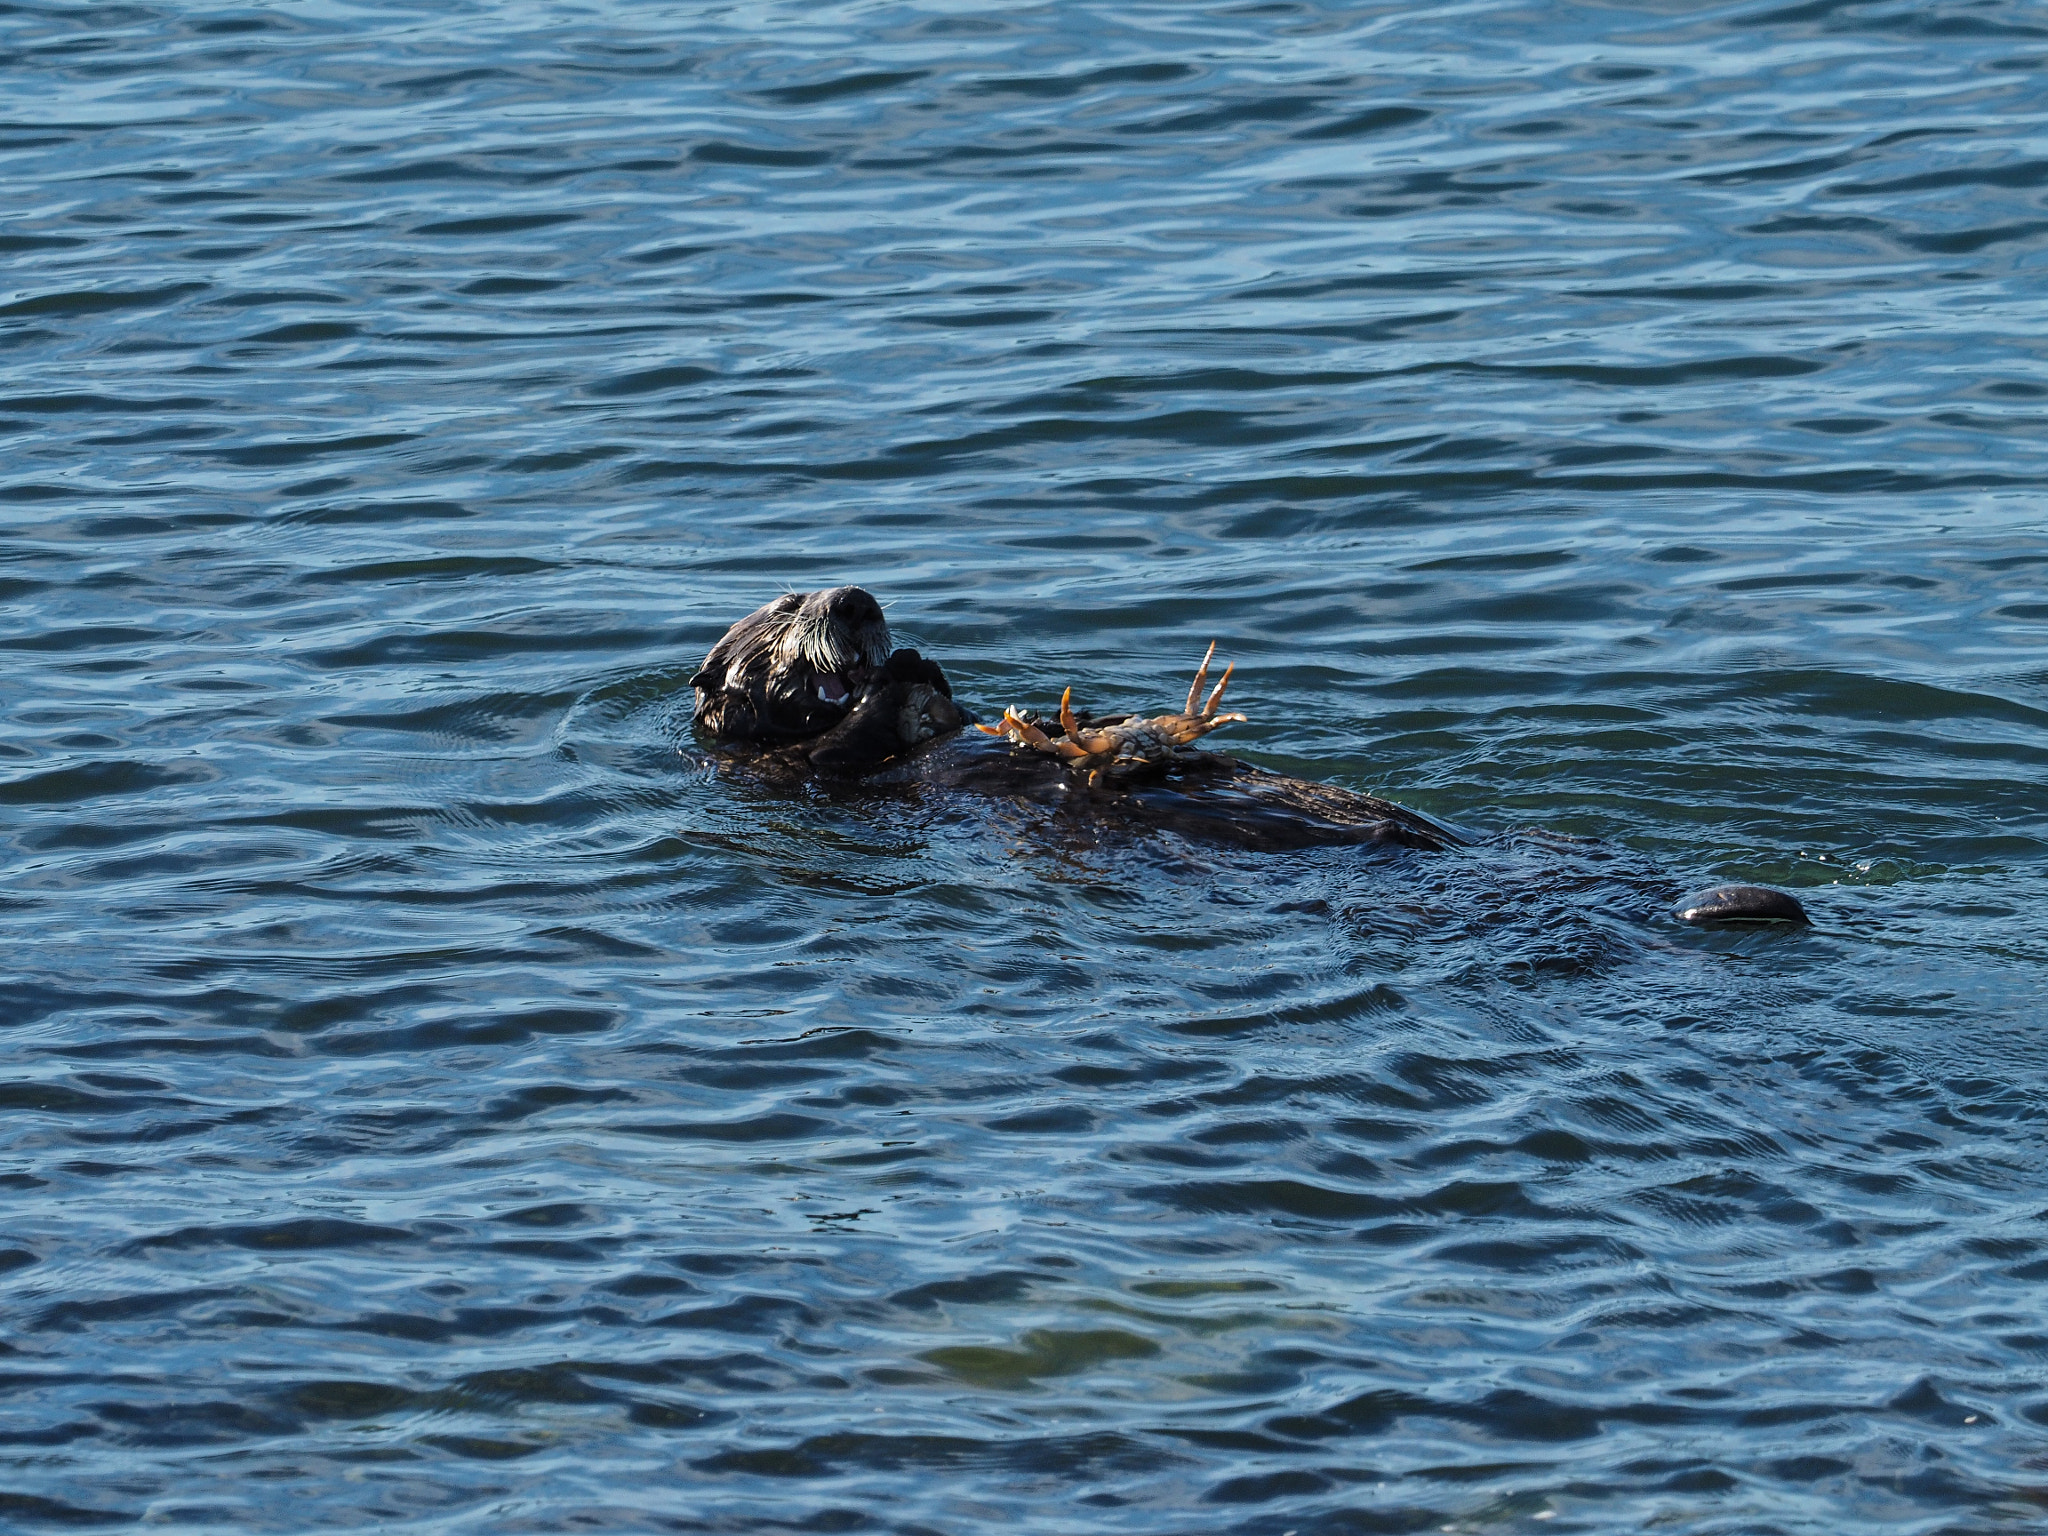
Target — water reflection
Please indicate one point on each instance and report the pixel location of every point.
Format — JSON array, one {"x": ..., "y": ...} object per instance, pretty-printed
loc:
[{"x": 441, "y": 1103}]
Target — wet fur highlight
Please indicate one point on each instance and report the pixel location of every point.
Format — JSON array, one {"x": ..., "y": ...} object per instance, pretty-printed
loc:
[{"x": 792, "y": 668}]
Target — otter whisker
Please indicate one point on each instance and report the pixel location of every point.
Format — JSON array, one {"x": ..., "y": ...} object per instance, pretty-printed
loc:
[
  {"x": 793, "y": 667},
  {"x": 823, "y": 639}
]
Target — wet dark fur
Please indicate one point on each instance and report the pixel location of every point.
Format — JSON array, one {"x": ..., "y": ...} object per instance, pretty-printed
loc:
[
  {"x": 887, "y": 717},
  {"x": 762, "y": 681},
  {"x": 813, "y": 675},
  {"x": 809, "y": 684}
]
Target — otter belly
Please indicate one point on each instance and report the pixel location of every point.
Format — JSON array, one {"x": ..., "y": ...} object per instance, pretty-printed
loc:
[{"x": 1208, "y": 796}]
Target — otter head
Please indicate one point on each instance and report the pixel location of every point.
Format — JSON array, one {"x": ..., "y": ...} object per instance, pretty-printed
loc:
[{"x": 793, "y": 668}]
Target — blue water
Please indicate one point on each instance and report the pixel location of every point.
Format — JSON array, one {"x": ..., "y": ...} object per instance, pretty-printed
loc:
[{"x": 443, "y": 1097}]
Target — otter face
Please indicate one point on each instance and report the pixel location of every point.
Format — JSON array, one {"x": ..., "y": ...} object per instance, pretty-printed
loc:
[{"x": 793, "y": 668}]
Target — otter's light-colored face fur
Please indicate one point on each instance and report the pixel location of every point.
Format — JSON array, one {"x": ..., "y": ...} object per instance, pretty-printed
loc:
[
  {"x": 793, "y": 667},
  {"x": 826, "y": 643}
]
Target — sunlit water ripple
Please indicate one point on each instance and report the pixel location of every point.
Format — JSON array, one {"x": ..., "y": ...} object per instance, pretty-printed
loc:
[{"x": 443, "y": 1098}]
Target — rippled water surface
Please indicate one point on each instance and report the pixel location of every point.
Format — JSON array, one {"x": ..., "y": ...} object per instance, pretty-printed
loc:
[{"x": 440, "y": 1096}]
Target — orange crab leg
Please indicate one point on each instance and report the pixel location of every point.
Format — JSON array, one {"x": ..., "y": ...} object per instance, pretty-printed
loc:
[
  {"x": 1019, "y": 730},
  {"x": 1067, "y": 721},
  {"x": 1201, "y": 677},
  {"x": 1209, "y": 708},
  {"x": 1096, "y": 753}
]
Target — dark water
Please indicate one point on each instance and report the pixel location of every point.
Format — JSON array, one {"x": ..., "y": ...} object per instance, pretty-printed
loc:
[{"x": 437, "y": 1103}]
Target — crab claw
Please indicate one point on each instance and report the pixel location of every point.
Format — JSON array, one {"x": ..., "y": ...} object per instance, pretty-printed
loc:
[{"x": 1021, "y": 730}]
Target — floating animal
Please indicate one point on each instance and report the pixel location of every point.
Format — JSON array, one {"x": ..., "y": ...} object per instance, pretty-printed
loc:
[{"x": 811, "y": 684}]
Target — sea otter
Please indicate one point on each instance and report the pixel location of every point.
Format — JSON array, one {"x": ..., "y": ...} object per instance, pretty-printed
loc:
[
  {"x": 811, "y": 683},
  {"x": 813, "y": 675}
]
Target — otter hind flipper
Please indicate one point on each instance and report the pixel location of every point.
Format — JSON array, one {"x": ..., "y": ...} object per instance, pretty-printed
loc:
[{"x": 1740, "y": 904}]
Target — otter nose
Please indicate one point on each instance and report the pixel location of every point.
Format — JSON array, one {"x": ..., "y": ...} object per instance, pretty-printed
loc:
[{"x": 852, "y": 605}]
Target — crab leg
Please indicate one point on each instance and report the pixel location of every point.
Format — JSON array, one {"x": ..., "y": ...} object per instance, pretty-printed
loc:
[
  {"x": 1209, "y": 709},
  {"x": 1019, "y": 729},
  {"x": 1101, "y": 753},
  {"x": 1201, "y": 677}
]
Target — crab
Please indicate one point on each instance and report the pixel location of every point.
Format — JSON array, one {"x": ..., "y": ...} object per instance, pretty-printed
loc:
[{"x": 1134, "y": 743}]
